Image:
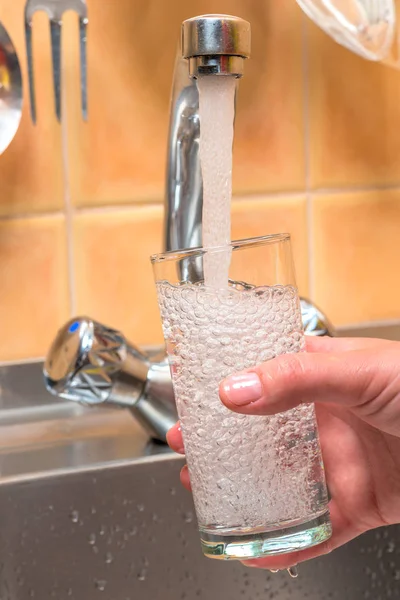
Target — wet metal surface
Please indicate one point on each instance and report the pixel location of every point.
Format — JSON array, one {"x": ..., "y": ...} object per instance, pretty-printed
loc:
[{"x": 89, "y": 508}]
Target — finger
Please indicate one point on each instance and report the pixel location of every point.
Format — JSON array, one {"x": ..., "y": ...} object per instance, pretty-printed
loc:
[
  {"x": 366, "y": 381},
  {"x": 174, "y": 439},
  {"x": 342, "y": 533},
  {"x": 315, "y": 343},
  {"x": 185, "y": 479}
]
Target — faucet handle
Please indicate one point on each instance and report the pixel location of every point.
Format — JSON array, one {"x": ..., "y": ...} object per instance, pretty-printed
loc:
[
  {"x": 94, "y": 365},
  {"x": 315, "y": 322},
  {"x": 85, "y": 363}
]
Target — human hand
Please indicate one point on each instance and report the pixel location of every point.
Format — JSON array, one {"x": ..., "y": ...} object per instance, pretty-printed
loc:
[{"x": 355, "y": 384}]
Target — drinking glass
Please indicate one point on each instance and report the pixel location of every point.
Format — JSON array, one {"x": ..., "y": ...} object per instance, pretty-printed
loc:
[
  {"x": 367, "y": 27},
  {"x": 258, "y": 482}
]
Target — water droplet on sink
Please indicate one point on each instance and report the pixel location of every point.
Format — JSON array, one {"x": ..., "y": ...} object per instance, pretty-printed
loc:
[
  {"x": 293, "y": 571},
  {"x": 172, "y": 491},
  {"x": 93, "y": 510},
  {"x": 92, "y": 539},
  {"x": 142, "y": 575},
  {"x": 95, "y": 549},
  {"x": 391, "y": 547},
  {"x": 100, "y": 584},
  {"x": 188, "y": 517},
  {"x": 109, "y": 558},
  {"x": 74, "y": 516},
  {"x": 140, "y": 507},
  {"x": 102, "y": 530}
]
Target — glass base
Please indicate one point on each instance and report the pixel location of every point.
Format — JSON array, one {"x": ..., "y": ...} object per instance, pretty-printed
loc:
[{"x": 266, "y": 543}]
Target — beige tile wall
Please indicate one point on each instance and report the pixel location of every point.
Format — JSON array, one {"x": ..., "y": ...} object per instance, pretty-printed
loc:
[{"x": 317, "y": 153}]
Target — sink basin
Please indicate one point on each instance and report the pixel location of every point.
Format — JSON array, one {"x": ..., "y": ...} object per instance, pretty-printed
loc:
[{"x": 90, "y": 508}]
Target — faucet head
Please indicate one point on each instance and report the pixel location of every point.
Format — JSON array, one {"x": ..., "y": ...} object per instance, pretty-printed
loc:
[{"x": 216, "y": 45}]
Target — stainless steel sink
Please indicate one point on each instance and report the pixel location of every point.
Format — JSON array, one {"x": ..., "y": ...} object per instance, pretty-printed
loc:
[{"x": 89, "y": 508}]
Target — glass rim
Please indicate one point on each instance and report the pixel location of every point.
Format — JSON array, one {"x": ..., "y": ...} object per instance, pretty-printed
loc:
[{"x": 253, "y": 242}]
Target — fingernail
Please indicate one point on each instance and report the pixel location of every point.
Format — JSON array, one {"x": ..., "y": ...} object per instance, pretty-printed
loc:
[{"x": 242, "y": 389}]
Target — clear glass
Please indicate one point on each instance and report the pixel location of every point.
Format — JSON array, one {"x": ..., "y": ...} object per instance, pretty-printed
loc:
[
  {"x": 258, "y": 482},
  {"x": 367, "y": 27}
]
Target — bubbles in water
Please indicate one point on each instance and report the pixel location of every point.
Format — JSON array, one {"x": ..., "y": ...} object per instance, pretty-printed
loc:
[
  {"x": 74, "y": 516},
  {"x": 92, "y": 539},
  {"x": 188, "y": 517},
  {"x": 100, "y": 584},
  {"x": 197, "y": 316}
]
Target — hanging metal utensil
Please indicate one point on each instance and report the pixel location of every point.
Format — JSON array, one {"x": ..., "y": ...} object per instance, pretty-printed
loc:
[
  {"x": 10, "y": 90},
  {"x": 55, "y": 9}
]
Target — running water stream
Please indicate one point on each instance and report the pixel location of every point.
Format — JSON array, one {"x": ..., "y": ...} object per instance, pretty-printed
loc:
[{"x": 217, "y": 111}]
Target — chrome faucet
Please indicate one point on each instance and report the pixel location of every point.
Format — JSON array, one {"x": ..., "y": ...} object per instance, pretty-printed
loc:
[{"x": 95, "y": 365}]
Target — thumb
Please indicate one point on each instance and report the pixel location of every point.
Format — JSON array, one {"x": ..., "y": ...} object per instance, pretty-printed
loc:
[{"x": 365, "y": 381}]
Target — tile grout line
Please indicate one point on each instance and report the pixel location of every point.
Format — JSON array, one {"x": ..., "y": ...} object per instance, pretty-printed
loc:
[
  {"x": 356, "y": 189},
  {"x": 68, "y": 208},
  {"x": 369, "y": 325},
  {"x": 264, "y": 196},
  {"x": 25, "y": 216},
  {"x": 306, "y": 124}
]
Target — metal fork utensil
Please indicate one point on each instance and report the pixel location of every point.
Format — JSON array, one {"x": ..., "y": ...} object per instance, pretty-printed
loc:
[{"x": 55, "y": 10}]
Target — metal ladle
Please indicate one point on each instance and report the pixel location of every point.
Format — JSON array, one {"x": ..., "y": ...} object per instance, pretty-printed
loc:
[{"x": 10, "y": 90}]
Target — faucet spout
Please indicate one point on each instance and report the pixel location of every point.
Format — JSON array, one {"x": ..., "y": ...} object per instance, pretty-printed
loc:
[
  {"x": 216, "y": 45},
  {"x": 184, "y": 185},
  {"x": 210, "y": 45}
]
